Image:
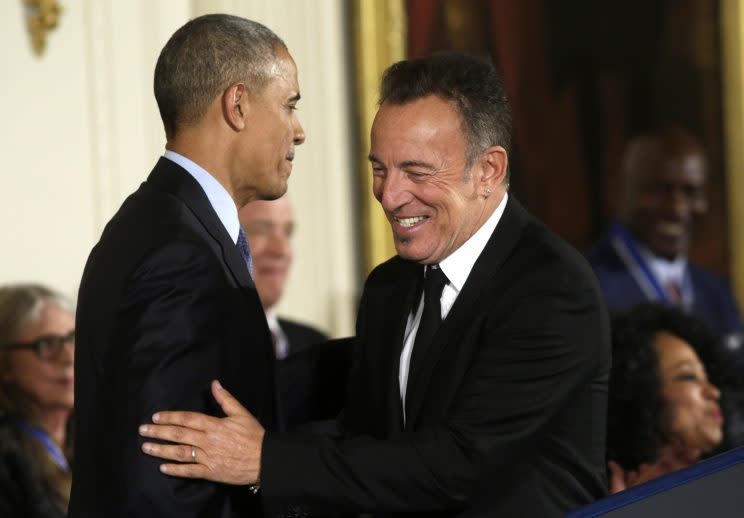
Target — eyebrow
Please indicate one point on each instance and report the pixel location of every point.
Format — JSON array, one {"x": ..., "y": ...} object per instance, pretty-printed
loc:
[
  {"x": 406, "y": 164},
  {"x": 688, "y": 363}
]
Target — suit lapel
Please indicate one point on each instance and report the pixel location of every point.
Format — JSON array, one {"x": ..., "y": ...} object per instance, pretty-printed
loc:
[
  {"x": 172, "y": 178},
  {"x": 487, "y": 266}
]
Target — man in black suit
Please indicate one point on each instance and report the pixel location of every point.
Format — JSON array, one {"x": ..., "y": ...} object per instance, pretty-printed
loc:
[
  {"x": 311, "y": 372},
  {"x": 166, "y": 302},
  {"x": 482, "y": 393}
]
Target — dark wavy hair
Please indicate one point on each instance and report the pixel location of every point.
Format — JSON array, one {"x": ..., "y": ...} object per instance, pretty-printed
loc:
[
  {"x": 471, "y": 83},
  {"x": 637, "y": 421}
]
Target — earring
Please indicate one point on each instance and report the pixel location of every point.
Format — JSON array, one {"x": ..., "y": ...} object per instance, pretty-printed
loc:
[{"x": 487, "y": 191}]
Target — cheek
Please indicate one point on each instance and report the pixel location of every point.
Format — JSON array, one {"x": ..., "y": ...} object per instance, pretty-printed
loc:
[
  {"x": 685, "y": 411},
  {"x": 258, "y": 248}
]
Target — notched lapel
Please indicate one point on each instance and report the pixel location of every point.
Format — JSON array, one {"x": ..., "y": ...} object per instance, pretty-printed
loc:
[{"x": 487, "y": 266}]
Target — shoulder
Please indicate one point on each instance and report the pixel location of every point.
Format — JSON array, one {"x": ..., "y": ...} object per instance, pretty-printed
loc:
[
  {"x": 392, "y": 270},
  {"x": 541, "y": 256},
  {"x": 703, "y": 275},
  {"x": 298, "y": 330},
  {"x": 16, "y": 477}
]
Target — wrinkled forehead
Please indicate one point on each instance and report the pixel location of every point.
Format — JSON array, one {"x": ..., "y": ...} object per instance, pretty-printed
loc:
[{"x": 426, "y": 121}]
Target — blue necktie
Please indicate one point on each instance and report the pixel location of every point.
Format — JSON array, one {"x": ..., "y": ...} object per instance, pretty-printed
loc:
[{"x": 245, "y": 251}]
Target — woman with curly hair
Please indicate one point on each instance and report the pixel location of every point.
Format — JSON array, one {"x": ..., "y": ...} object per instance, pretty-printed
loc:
[
  {"x": 663, "y": 413},
  {"x": 37, "y": 340}
]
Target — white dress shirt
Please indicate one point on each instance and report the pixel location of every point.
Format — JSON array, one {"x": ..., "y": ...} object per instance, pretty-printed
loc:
[
  {"x": 667, "y": 272},
  {"x": 456, "y": 267},
  {"x": 278, "y": 336},
  {"x": 218, "y": 197}
]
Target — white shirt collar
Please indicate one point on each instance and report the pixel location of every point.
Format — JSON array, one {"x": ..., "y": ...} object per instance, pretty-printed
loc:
[
  {"x": 458, "y": 264},
  {"x": 218, "y": 197},
  {"x": 665, "y": 270}
]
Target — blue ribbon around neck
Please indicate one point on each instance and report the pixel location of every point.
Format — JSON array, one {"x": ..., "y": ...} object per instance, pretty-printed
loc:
[
  {"x": 40, "y": 435},
  {"x": 629, "y": 253}
]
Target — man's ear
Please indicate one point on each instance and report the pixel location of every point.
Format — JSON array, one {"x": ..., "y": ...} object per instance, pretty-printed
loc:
[
  {"x": 235, "y": 106},
  {"x": 494, "y": 162}
]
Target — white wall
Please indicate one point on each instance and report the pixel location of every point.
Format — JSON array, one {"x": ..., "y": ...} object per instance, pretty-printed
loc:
[{"x": 81, "y": 130}]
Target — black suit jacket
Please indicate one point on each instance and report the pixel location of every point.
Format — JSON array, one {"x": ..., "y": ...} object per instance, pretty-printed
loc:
[
  {"x": 507, "y": 415},
  {"x": 311, "y": 380},
  {"x": 296, "y": 375},
  {"x": 165, "y": 306}
]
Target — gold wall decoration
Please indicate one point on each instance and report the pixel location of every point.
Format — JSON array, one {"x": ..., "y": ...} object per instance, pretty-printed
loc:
[
  {"x": 41, "y": 17},
  {"x": 379, "y": 31},
  {"x": 732, "y": 43}
]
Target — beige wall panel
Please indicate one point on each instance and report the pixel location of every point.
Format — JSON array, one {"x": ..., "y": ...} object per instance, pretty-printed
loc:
[{"x": 79, "y": 129}]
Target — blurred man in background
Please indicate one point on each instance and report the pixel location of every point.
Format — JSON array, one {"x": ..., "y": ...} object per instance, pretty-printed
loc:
[
  {"x": 310, "y": 373},
  {"x": 644, "y": 256}
]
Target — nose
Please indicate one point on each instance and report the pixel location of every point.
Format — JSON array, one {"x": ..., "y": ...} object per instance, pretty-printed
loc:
[
  {"x": 712, "y": 392},
  {"x": 299, "y": 132},
  {"x": 278, "y": 244},
  {"x": 67, "y": 355},
  {"x": 391, "y": 191}
]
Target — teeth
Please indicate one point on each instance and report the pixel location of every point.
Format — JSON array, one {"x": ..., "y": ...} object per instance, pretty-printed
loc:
[
  {"x": 409, "y": 222},
  {"x": 670, "y": 228}
]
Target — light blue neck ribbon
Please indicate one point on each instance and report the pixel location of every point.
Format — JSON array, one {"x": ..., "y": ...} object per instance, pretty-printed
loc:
[
  {"x": 51, "y": 447},
  {"x": 630, "y": 254}
]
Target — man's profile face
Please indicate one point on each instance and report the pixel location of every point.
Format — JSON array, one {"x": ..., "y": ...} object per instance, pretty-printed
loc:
[
  {"x": 268, "y": 226},
  {"x": 273, "y": 130},
  {"x": 418, "y": 156},
  {"x": 667, "y": 199}
]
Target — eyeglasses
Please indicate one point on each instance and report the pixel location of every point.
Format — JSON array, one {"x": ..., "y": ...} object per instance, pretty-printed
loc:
[{"x": 46, "y": 347}]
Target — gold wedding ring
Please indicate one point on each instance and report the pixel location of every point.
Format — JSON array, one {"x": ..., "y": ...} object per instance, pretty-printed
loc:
[{"x": 193, "y": 455}]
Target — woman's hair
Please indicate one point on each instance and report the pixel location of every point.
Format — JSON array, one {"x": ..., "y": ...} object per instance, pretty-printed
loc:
[
  {"x": 637, "y": 420},
  {"x": 20, "y": 306}
]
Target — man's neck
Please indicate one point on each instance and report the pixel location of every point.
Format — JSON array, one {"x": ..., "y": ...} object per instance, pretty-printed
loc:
[{"x": 205, "y": 152}]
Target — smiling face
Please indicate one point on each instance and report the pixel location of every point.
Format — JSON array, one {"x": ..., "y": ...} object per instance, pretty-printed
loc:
[
  {"x": 666, "y": 198},
  {"x": 42, "y": 385},
  {"x": 269, "y": 226},
  {"x": 432, "y": 201},
  {"x": 272, "y": 130},
  {"x": 694, "y": 418}
]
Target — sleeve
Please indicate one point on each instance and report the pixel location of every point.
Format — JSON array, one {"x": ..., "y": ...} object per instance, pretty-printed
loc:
[
  {"x": 171, "y": 325},
  {"x": 532, "y": 355}
]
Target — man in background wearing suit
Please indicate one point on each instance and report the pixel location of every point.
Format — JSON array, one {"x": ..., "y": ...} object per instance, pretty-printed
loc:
[
  {"x": 311, "y": 372},
  {"x": 166, "y": 301},
  {"x": 482, "y": 351},
  {"x": 643, "y": 257}
]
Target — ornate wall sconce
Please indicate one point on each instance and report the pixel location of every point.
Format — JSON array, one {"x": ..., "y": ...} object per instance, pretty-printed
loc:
[{"x": 41, "y": 17}]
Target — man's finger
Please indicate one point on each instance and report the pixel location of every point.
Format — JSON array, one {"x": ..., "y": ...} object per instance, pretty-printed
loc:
[
  {"x": 193, "y": 420},
  {"x": 179, "y": 452},
  {"x": 229, "y": 404},
  {"x": 176, "y": 434}
]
